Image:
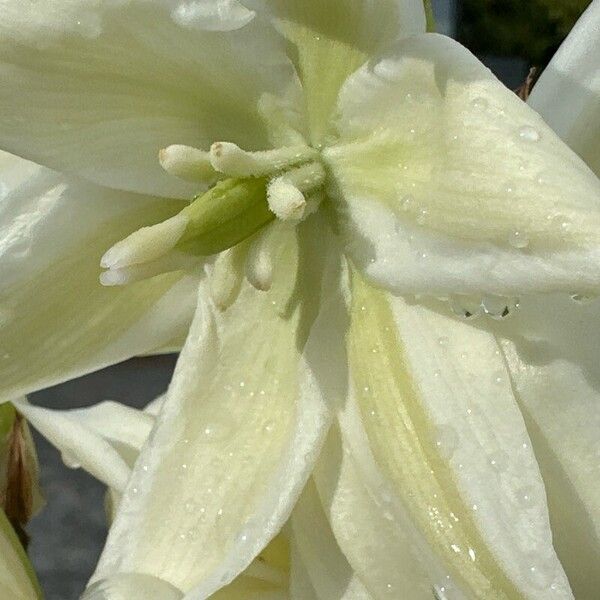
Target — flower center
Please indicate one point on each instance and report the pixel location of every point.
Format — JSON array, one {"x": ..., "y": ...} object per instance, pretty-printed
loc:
[{"x": 248, "y": 192}]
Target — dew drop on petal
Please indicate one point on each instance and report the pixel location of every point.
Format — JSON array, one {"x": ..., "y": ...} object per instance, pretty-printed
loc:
[
  {"x": 529, "y": 134},
  {"x": 446, "y": 440},
  {"x": 479, "y": 103},
  {"x": 518, "y": 239},
  {"x": 498, "y": 461},
  {"x": 582, "y": 298}
]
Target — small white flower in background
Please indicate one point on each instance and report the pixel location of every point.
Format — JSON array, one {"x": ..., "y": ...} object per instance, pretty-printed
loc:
[{"x": 341, "y": 162}]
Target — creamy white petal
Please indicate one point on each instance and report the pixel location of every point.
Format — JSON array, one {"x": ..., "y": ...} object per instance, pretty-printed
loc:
[
  {"x": 57, "y": 321},
  {"x": 551, "y": 348},
  {"x": 17, "y": 579},
  {"x": 99, "y": 88},
  {"x": 331, "y": 577},
  {"x": 79, "y": 443},
  {"x": 567, "y": 94},
  {"x": 446, "y": 431},
  {"x": 13, "y": 172},
  {"x": 331, "y": 39},
  {"x": 374, "y": 530},
  {"x": 236, "y": 440},
  {"x": 447, "y": 182}
]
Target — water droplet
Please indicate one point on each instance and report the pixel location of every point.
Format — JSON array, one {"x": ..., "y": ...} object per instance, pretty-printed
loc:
[
  {"x": 216, "y": 431},
  {"x": 269, "y": 426},
  {"x": 440, "y": 592},
  {"x": 526, "y": 496},
  {"x": 480, "y": 103},
  {"x": 446, "y": 440},
  {"x": 498, "y": 378},
  {"x": 422, "y": 216},
  {"x": 472, "y": 555},
  {"x": 465, "y": 307},
  {"x": 529, "y": 134},
  {"x": 518, "y": 239},
  {"x": 539, "y": 576},
  {"x": 583, "y": 298},
  {"x": 443, "y": 341},
  {"x": 407, "y": 202},
  {"x": 498, "y": 461}
]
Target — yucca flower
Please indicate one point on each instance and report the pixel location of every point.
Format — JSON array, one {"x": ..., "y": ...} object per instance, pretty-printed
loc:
[{"x": 361, "y": 190}]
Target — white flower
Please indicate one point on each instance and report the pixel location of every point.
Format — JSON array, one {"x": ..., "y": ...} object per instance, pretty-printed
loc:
[{"x": 319, "y": 132}]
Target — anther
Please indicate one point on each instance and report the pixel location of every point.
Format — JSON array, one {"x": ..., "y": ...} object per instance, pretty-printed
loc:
[
  {"x": 286, "y": 194},
  {"x": 260, "y": 259},
  {"x": 227, "y": 276},
  {"x": 190, "y": 164},
  {"x": 231, "y": 160}
]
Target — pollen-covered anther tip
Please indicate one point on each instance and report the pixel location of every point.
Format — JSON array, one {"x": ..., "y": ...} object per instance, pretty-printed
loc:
[
  {"x": 285, "y": 200},
  {"x": 188, "y": 163}
]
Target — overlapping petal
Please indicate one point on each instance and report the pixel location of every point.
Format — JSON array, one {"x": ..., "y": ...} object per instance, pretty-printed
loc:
[
  {"x": 567, "y": 94},
  {"x": 98, "y": 88},
  {"x": 332, "y": 39},
  {"x": 551, "y": 349},
  {"x": 445, "y": 429},
  {"x": 57, "y": 321},
  {"x": 448, "y": 183},
  {"x": 235, "y": 442},
  {"x": 325, "y": 569},
  {"x": 104, "y": 439}
]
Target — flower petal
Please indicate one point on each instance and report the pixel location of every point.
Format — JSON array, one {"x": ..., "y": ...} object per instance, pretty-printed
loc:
[
  {"x": 97, "y": 89},
  {"x": 567, "y": 94},
  {"x": 332, "y": 39},
  {"x": 449, "y": 183},
  {"x": 104, "y": 439},
  {"x": 445, "y": 430},
  {"x": 551, "y": 348},
  {"x": 328, "y": 570},
  {"x": 17, "y": 579},
  {"x": 57, "y": 321},
  {"x": 235, "y": 442},
  {"x": 376, "y": 534}
]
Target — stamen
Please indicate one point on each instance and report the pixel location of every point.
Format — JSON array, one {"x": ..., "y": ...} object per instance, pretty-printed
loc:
[
  {"x": 285, "y": 194},
  {"x": 146, "y": 244},
  {"x": 227, "y": 276},
  {"x": 285, "y": 200},
  {"x": 231, "y": 160},
  {"x": 173, "y": 261},
  {"x": 190, "y": 164},
  {"x": 260, "y": 264}
]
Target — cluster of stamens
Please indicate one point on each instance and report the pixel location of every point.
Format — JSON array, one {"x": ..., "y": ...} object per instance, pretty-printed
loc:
[{"x": 294, "y": 178}]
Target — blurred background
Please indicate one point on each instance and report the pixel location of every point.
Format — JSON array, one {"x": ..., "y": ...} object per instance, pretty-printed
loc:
[{"x": 510, "y": 36}]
